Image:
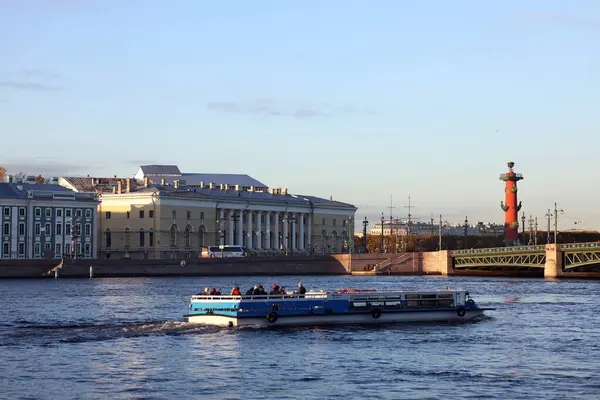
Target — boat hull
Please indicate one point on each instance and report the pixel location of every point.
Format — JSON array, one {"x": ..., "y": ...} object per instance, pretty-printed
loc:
[{"x": 336, "y": 319}]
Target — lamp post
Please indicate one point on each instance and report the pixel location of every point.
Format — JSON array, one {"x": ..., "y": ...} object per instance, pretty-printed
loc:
[
  {"x": 365, "y": 224},
  {"x": 556, "y": 223},
  {"x": 382, "y": 220},
  {"x": 440, "y": 235}
]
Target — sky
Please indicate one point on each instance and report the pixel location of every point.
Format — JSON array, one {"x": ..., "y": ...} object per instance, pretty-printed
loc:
[{"x": 362, "y": 101}]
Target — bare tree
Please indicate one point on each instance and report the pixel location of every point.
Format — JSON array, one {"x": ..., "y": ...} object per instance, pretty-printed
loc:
[
  {"x": 20, "y": 176},
  {"x": 2, "y": 172}
]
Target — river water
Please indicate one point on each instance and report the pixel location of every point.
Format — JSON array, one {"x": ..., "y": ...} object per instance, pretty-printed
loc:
[{"x": 127, "y": 339}]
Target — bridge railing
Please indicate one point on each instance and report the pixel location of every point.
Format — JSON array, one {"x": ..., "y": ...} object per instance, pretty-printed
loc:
[
  {"x": 496, "y": 250},
  {"x": 588, "y": 245}
]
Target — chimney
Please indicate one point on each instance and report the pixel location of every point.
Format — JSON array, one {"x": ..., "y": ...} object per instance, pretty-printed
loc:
[
  {"x": 176, "y": 184},
  {"x": 119, "y": 187},
  {"x": 162, "y": 181},
  {"x": 284, "y": 191},
  {"x": 128, "y": 190},
  {"x": 114, "y": 189},
  {"x": 211, "y": 185},
  {"x": 222, "y": 186},
  {"x": 145, "y": 182},
  {"x": 237, "y": 187},
  {"x": 226, "y": 186},
  {"x": 251, "y": 189}
]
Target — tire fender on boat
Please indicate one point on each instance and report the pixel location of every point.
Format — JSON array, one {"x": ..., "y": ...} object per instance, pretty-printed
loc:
[
  {"x": 460, "y": 311},
  {"x": 183, "y": 263},
  {"x": 376, "y": 313},
  {"x": 272, "y": 317}
]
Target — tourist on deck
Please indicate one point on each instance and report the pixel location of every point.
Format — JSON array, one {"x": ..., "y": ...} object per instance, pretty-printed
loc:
[
  {"x": 282, "y": 290},
  {"x": 301, "y": 289},
  {"x": 275, "y": 289},
  {"x": 213, "y": 292},
  {"x": 250, "y": 291},
  {"x": 235, "y": 291}
]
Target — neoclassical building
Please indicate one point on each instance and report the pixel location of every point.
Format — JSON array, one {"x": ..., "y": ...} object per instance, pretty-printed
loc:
[
  {"x": 47, "y": 221},
  {"x": 162, "y": 213}
]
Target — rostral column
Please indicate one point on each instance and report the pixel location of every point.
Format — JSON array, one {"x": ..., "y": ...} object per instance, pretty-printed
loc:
[{"x": 511, "y": 224}]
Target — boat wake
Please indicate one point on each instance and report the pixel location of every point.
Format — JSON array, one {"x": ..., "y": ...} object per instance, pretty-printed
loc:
[{"x": 30, "y": 333}]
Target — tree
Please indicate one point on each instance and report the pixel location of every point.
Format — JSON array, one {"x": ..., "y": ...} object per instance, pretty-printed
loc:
[
  {"x": 40, "y": 180},
  {"x": 20, "y": 176},
  {"x": 2, "y": 172}
]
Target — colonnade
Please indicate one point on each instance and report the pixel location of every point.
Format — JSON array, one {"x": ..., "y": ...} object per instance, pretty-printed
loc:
[{"x": 265, "y": 230}]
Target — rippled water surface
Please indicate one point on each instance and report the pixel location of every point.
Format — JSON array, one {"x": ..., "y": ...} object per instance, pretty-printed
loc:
[{"x": 127, "y": 339}]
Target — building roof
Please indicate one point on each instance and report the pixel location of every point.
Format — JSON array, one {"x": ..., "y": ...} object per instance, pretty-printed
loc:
[
  {"x": 20, "y": 190},
  {"x": 89, "y": 184},
  {"x": 243, "y": 195},
  {"x": 170, "y": 173},
  {"x": 158, "y": 170}
]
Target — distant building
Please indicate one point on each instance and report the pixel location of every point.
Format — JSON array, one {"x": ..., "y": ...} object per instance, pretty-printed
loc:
[
  {"x": 401, "y": 227},
  {"x": 47, "y": 221},
  {"x": 164, "y": 213}
]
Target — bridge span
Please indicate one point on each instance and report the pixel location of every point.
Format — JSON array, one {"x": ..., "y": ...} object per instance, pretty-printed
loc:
[{"x": 554, "y": 260}]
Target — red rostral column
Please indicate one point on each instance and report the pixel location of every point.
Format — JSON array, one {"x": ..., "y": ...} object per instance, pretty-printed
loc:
[{"x": 511, "y": 223}]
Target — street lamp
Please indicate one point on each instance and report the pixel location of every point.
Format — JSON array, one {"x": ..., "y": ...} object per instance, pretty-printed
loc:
[
  {"x": 365, "y": 224},
  {"x": 382, "y": 220},
  {"x": 556, "y": 222}
]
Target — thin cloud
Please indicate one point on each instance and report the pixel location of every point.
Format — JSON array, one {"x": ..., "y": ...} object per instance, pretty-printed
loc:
[
  {"x": 564, "y": 20},
  {"x": 28, "y": 86},
  {"x": 38, "y": 73},
  {"x": 272, "y": 107},
  {"x": 46, "y": 167}
]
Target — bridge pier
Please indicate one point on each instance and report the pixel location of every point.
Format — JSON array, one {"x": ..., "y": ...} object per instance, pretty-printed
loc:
[
  {"x": 438, "y": 262},
  {"x": 554, "y": 262}
]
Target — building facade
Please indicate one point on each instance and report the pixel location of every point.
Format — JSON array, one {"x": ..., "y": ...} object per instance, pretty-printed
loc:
[
  {"x": 47, "y": 221},
  {"x": 142, "y": 219}
]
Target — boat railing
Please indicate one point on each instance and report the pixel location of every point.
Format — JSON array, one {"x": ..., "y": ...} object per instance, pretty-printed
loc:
[{"x": 307, "y": 295}]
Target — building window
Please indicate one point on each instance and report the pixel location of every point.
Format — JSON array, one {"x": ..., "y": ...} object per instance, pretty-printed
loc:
[
  {"x": 68, "y": 249},
  {"x": 88, "y": 249},
  {"x": 88, "y": 213},
  {"x": 127, "y": 237},
  {"x": 334, "y": 222},
  {"x": 38, "y": 212},
  {"x": 58, "y": 250},
  {"x": 67, "y": 229},
  {"x": 78, "y": 213},
  {"x": 21, "y": 228},
  {"x": 253, "y": 218},
  {"x": 6, "y": 248},
  {"x": 173, "y": 235},
  {"x": 88, "y": 229},
  {"x": 21, "y": 211},
  {"x": 151, "y": 214},
  {"x": 141, "y": 213},
  {"x": 47, "y": 229},
  {"x": 128, "y": 214},
  {"x": 107, "y": 238},
  {"x": 174, "y": 214},
  {"x": 323, "y": 221},
  {"x": 78, "y": 249},
  {"x": 189, "y": 214},
  {"x": 6, "y": 229},
  {"x": 107, "y": 215},
  {"x": 78, "y": 230},
  {"x": 59, "y": 212},
  {"x": 200, "y": 237},
  {"x": 141, "y": 238},
  {"x": 150, "y": 238},
  {"x": 59, "y": 228},
  {"x": 188, "y": 230},
  {"x": 48, "y": 212},
  {"x": 202, "y": 215},
  {"x": 38, "y": 228},
  {"x": 47, "y": 246},
  {"x": 37, "y": 249},
  {"x": 68, "y": 213},
  {"x": 344, "y": 223},
  {"x": 6, "y": 211},
  {"x": 21, "y": 249}
]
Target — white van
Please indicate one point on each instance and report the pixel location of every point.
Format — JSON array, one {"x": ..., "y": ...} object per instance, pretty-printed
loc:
[{"x": 224, "y": 252}]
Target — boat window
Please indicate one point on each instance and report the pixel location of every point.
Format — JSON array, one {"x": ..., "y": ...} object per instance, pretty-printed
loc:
[
  {"x": 412, "y": 296},
  {"x": 359, "y": 304},
  {"x": 377, "y": 304},
  {"x": 446, "y": 296},
  {"x": 393, "y": 303},
  {"x": 413, "y": 304}
]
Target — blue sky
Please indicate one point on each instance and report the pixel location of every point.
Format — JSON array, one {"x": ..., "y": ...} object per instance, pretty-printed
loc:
[{"x": 358, "y": 100}]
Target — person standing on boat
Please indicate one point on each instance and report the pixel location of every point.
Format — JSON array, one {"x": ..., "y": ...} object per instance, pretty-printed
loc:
[
  {"x": 275, "y": 289},
  {"x": 235, "y": 291},
  {"x": 301, "y": 289}
]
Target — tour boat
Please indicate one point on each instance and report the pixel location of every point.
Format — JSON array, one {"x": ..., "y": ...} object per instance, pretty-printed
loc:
[{"x": 339, "y": 307}]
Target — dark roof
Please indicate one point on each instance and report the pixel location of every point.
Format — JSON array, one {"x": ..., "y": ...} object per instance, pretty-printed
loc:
[
  {"x": 19, "y": 190},
  {"x": 160, "y": 170},
  {"x": 225, "y": 179}
]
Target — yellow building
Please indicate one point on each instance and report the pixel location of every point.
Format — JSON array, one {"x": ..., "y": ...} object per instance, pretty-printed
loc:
[{"x": 165, "y": 214}]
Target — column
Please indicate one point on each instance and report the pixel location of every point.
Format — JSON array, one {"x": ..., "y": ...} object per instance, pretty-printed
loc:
[
  {"x": 293, "y": 231},
  {"x": 240, "y": 229},
  {"x": 231, "y": 228},
  {"x": 301, "y": 238},
  {"x": 285, "y": 231},
  {"x": 267, "y": 230},
  {"x": 309, "y": 233},
  {"x": 221, "y": 226},
  {"x": 276, "y": 231},
  {"x": 258, "y": 244},
  {"x": 249, "y": 229}
]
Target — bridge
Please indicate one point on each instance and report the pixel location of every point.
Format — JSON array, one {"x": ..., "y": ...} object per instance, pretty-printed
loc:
[{"x": 554, "y": 260}]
